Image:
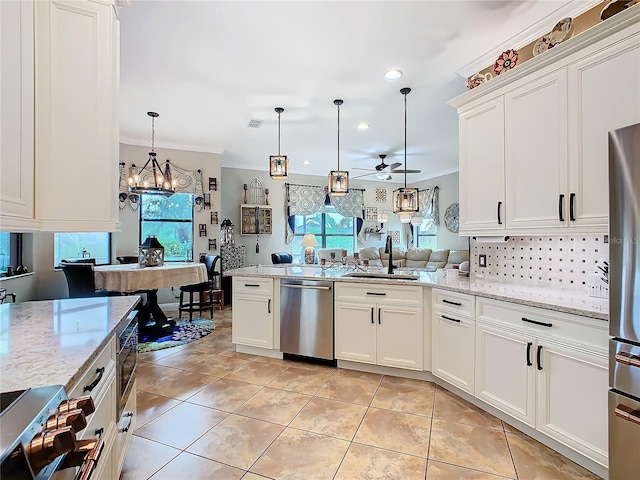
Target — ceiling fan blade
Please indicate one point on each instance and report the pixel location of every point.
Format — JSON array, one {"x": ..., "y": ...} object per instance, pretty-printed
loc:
[
  {"x": 365, "y": 175},
  {"x": 364, "y": 169},
  {"x": 406, "y": 171},
  {"x": 395, "y": 165}
]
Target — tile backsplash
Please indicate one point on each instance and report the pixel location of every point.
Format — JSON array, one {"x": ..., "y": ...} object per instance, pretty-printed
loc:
[{"x": 552, "y": 261}]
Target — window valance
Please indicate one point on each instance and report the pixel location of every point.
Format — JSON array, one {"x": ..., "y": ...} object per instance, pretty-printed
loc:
[
  {"x": 187, "y": 181},
  {"x": 309, "y": 199},
  {"x": 429, "y": 208}
]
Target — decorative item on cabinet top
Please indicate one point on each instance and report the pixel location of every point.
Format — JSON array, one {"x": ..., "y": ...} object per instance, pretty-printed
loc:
[
  {"x": 615, "y": 7},
  {"x": 506, "y": 61},
  {"x": 187, "y": 181},
  {"x": 562, "y": 31}
]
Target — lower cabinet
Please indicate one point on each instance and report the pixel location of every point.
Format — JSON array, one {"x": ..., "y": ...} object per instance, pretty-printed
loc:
[
  {"x": 378, "y": 332},
  {"x": 252, "y": 315},
  {"x": 125, "y": 430},
  {"x": 453, "y": 338},
  {"x": 546, "y": 369}
]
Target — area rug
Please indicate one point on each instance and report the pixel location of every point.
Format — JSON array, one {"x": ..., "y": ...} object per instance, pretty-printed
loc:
[{"x": 183, "y": 332}]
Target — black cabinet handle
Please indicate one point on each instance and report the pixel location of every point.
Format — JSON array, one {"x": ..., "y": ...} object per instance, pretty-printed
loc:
[
  {"x": 560, "y": 209},
  {"x": 499, "y": 210},
  {"x": 572, "y": 213},
  {"x": 529, "y": 345},
  {"x": 535, "y": 322},
  {"x": 379, "y": 322},
  {"x": 252, "y": 285},
  {"x": 94, "y": 384},
  {"x": 380, "y": 294},
  {"x": 269, "y": 306},
  {"x": 539, "y": 357},
  {"x": 372, "y": 321},
  {"x": 449, "y": 318},
  {"x": 457, "y": 304},
  {"x": 98, "y": 432}
]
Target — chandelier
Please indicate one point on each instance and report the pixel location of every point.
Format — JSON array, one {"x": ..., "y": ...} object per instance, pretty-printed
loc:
[
  {"x": 338, "y": 179},
  {"x": 279, "y": 164},
  {"x": 405, "y": 200},
  {"x": 160, "y": 182}
]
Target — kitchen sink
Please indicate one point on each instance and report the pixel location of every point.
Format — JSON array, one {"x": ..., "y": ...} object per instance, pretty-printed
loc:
[{"x": 393, "y": 276}]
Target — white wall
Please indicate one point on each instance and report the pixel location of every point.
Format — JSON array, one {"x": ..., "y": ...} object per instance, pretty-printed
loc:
[
  {"x": 232, "y": 198},
  {"x": 449, "y": 193}
]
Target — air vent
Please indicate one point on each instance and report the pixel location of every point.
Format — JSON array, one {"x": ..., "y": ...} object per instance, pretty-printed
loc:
[{"x": 254, "y": 123}]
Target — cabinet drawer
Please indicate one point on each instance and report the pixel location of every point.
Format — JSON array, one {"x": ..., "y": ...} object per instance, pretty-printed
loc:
[
  {"x": 98, "y": 372},
  {"x": 458, "y": 303},
  {"x": 544, "y": 323},
  {"x": 381, "y": 294},
  {"x": 100, "y": 421},
  {"x": 125, "y": 430},
  {"x": 253, "y": 285}
]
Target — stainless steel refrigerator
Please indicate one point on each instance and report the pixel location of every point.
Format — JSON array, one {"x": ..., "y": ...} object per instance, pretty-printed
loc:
[{"x": 624, "y": 303}]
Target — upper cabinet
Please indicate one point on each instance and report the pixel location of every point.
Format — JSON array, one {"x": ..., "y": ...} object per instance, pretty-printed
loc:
[
  {"x": 16, "y": 127},
  {"x": 68, "y": 160},
  {"x": 534, "y": 142}
]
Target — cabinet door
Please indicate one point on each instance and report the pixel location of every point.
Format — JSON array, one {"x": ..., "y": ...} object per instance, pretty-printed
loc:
[
  {"x": 596, "y": 106},
  {"x": 482, "y": 168},
  {"x": 572, "y": 390},
  {"x": 355, "y": 332},
  {"x": 252, "y": 318},
  {"x": 505, "y": 371},
  {"x": 399, "y": 338},
  {"x": 536, "y": 153},
  {"x": 76, "y": 154},
  {"x": 16, "y": 127},
  {"x": 453, "y": 349}
]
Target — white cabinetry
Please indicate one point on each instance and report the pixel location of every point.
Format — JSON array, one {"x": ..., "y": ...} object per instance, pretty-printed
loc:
[
  {"x": 548, "y": 370},
  {"x": 253, "y": 312},
  {"x": 16, "y": 127},
  {"x": 603, "y": 96},
  {"x": 379, "y": 324},
  {"x": 59, "y": 134},
  {"x": 453, "y": 334},
  {"x": 536, "y": 152},
  {"x": 482, "y": 159},
  {"x": 542, "y": 131}
]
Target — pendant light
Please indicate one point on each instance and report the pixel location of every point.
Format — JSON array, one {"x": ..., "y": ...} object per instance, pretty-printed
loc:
[
  {"x": 162, "y": 183},
  {"x": 405, "y": 200},
  {"x": 338, "y": 179},
  {"x": 278, "y": 164}
]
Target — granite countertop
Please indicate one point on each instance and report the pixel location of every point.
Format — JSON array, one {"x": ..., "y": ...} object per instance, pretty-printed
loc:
[
  {"x": 53, "y": 342},
  {"x": 566, "y": 301}
]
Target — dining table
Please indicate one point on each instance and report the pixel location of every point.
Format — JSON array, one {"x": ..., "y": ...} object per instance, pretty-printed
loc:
[{"x": 135, "y": 279}]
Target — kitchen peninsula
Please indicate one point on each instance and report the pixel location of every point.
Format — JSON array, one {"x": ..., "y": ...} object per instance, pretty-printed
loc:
[
  {"x": 74, "y": 343},
  {"x": 522, "y": 353}
]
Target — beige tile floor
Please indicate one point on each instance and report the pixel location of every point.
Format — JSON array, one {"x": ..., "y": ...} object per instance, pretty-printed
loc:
[{"x": 208, "y": 412}]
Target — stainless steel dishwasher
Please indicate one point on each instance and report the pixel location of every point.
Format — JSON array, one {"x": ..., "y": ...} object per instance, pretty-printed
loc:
[{"x": 306, "y": 318}]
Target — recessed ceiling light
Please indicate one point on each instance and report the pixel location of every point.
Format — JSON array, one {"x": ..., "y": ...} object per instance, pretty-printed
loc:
[
  {"x": 306, "y": 162},
  {"x": 392, "y": 74},
  {"x": 363, "y": 126}
]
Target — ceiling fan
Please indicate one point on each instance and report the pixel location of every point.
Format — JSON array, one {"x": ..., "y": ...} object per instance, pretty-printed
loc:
[{"x": 384, "y": 171}]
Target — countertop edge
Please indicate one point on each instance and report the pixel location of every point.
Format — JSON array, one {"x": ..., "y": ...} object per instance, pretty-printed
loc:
[{"x": 444, "y": 286}]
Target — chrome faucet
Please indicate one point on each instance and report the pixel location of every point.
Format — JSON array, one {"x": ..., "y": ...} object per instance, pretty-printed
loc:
[{"x": 389, "y": 250}]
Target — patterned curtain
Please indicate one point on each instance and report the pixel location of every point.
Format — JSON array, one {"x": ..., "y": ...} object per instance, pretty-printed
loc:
[
  {"x": 429, "y": 208},
  {"x": 309, "y": 199},
  {"x": 187, "y": 181}
]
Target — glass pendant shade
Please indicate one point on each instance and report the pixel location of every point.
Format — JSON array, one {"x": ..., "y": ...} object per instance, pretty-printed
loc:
[
  {"x": 279, "y": 164},
  {"x": 162, "y": 183},
  {"x": 405, "y": 200},
  {"x": 338, "y": 183},
  {"x": 405, "y": 217},
  {"x": 338, "y": 179},
  {"x": 279, "y": 167}
]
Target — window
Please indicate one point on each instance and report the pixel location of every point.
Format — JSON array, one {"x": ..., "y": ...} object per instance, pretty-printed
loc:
[
  {"x": 10, "y": 244},
  {"x": 171, "y": 220},
  {"x": 427, "y": 235},
  {"x": 82, "y": 245},
  {"x": 331, "y": 229}
]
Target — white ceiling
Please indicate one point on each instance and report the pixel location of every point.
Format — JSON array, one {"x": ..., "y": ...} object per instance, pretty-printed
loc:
[{"x": 209, "y": 67}]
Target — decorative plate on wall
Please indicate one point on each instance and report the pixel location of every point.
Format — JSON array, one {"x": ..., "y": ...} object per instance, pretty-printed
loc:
[{"x": 452, "y": 218}]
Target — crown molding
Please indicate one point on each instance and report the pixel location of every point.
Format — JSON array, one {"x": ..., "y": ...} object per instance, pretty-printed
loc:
[
  {"x": 625, "y": 19},
  {"x": 572, "y": 9}
]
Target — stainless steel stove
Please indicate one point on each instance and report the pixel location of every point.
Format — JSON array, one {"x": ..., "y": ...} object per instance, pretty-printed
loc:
[{"x": 38, "y": 428}]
